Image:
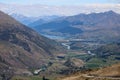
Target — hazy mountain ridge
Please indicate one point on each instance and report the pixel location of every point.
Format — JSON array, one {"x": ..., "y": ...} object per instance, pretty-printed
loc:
[
  {"x": 24, "y": 19},
  {"x": 33, "y": 21},
  {"x": 43, "y": 20},
  {"x": 95, "y": 25}
]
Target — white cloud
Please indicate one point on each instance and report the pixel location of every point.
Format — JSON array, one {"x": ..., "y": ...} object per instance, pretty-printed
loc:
[{"x": 43, "y": 10}]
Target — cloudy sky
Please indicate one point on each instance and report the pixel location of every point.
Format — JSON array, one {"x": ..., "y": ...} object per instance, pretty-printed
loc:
[
  {"x": 57, "y": 7},
  {"x": 61, "y": 2}
]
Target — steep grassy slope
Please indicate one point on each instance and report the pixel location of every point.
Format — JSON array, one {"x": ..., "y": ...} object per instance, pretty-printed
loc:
[
  {"x": 21, "y": 47},
  {"x": 113, "y": 71},
  {"x": 108, "y": 73}
]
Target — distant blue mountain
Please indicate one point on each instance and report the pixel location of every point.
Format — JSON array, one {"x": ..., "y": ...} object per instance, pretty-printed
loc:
[
  {"x": 42, "y": 20},
  {"x": 33, "y": 21},
  {"x": 101, "y": 26},
  {"x": 24, "y": 19}
]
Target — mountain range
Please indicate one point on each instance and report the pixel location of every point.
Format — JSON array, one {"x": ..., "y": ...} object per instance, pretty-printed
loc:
[
  {"x": 33, "y": 21},
  {"x": 98, "y": 26},
  {"x": 24, "y": 19}
]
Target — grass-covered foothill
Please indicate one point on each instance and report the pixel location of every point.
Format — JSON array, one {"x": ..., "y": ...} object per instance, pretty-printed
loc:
[{"x": 31, "y": 78}]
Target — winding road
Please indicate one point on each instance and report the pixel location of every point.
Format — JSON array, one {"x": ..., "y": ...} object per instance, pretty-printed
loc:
[
  {"x": 87, "y": 76},
  {"x": 102, "y": 77}
]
